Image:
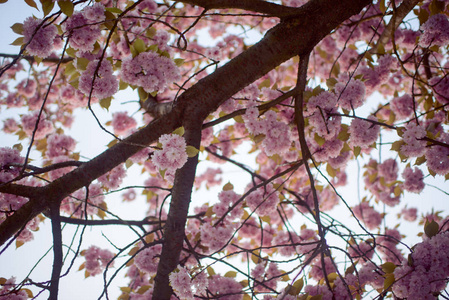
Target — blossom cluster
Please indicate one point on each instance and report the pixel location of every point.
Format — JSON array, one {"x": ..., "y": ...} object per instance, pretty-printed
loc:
[
  {"x": 9, "y": 158},
  {"x": 438, "y": 156},
  {"x": 322, "y": 113},
  {"x": 435, "y": 31},
  {"x": 186, "y": 287},
  {"x": 363, "y": 133},
  {"x": 98, "y": 80},
  {"x": 147, "y": 260},
  {"x": 150, "y": 71},
  {"x": 277, "y": 133},
  {"x": 40, "y": 37},
  {"x": 425, "y": 274},
  {"x": 414, "y": 145},
  {"x": 82, "y": 32},
  {"x": 173, "y": 154},
  {"x": 97, "y": 260},
  {"x": 263, "y": 200}
]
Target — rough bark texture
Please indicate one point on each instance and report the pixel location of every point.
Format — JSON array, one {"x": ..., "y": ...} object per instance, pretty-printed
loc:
[{"x": 296, "y": 34}]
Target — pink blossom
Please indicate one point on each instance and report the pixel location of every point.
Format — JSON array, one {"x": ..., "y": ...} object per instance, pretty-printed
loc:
[
  {"x": 363, "y": 133},
  {"x": 40, "y": 40},
  {"x": 413, "y": 180},
  {"x": 368, "y": 215},
  {"x": 438, "y": 156},
  {"x": 412, "y": 136},
  {"x": 9, "y": 291},
  {"x": 55, "y": 174},
  {"x": 122, "y": 123},
  {"x": 351, "y": 95},
  {"x": 184, "y": 286},
  {"x": 440, "y": 88},
  {"x": 113, "y": 178},
  {"x": 82, "y": 36},
  {"x": 59, "y": 144},
  {"x": 29, "y": 123},
  {"x": 150, "y": 71},
  {"x": 97, "y": 260},
  {"x": 225, "y": 288},
  {"x": 147, "y": 260},
  {"x": 263, "y": 200},
  {"x": 210, "y": 177},
  {"x": 173, "y": 154},
  {"x": 402, "y": 106},
  {"x": 435, "y": 31},
  {"x": 388, "y": 170},
  {"x": 10, "y": 125},
  {"x": 409, "y": 214},
  {"x": 94, "y": 13},
  {"x": 8, "y": 158},
  {"x": 105, "y": 84}
]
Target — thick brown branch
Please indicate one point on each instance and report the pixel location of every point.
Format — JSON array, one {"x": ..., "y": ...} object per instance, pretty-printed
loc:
[
  {"x": 259, "y": 6},
  {"x": 174, "y": 233}
]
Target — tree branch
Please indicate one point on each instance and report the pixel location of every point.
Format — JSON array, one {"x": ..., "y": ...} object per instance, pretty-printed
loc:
[
  {"x": 174, "y": 233},
  {"x": 399, "y": 14},
  {"x": 259, "y": 6}
]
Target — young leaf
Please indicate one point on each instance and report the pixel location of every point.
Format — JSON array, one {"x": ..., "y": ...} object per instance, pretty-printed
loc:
[
  {"x": 191, "y": 151},
  {"x": 31, "y": 3},
  {"x": 66, "y": 7},
  {"x": 179, "y": 131},
  {"x": 17, "y": 28}
]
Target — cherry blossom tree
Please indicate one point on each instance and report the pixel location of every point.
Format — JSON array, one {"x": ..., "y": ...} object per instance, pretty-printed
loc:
[{"x": 329, "y": 85}]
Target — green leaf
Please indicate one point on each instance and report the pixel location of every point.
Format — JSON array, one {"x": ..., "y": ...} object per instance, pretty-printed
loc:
[
  {"x": 18, "y": 147},
  {"x": 357, "y": 151},
  {"x": 192, "y": 151},
  {"x": 128, "y": 163},
  {"x": 320, "y": 140},
  {"x": 66, "y": 7},
  {"x": 265, "y": 83},
  {"x": 230, "y": 274},
  {"x": 17, "y": 28},
  {"x": 142, "y": 94},
  {"x": 382, "y": 6},
  {"x": 210, "y": 271},
  {"x": 388, "y": 282},
  {"x": 397, "y": 191},
  {"x": 18, "y": 41},
  {"x": 388, "y": 267},
  {"x": 115, "y": 10},
  {"x": 331, "y": 171},
  {"x": 179, "y": 131},
  {"x": 298, "y": 285},
  {"x": 106, "y": 102},
  {"x": 31, "y": 3},
  {"x": 81, "y": 63},
  {"x": 331, "y": 82},
  {"x": 431, "y": 229},
  {"x": 228, "y": 187},
  {"x": 139, "y": 46},
  {"x": 47, "y": 6},
  {"x": 178, "y": 61},
  {"x": 3, "y": 1},
  {"x": 123, "y": 85},
  {"x": 151, "y": 32}
]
